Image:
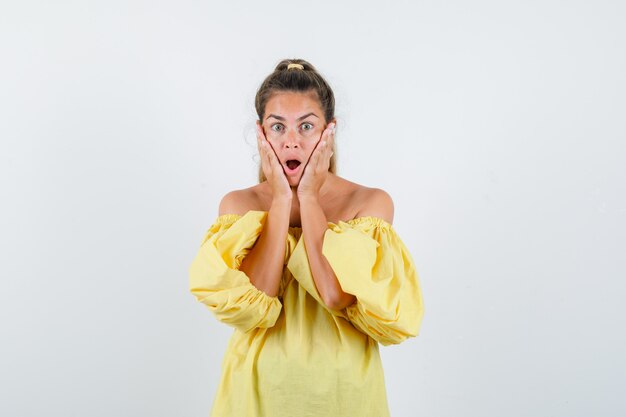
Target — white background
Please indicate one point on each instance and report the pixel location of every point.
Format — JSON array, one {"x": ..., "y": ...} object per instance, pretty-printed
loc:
[{"x": 498, "y": 128}]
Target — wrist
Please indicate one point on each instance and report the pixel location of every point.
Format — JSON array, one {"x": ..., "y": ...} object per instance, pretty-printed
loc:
[
  {"x": 282, "y": 201},
  {"x": 308, "y": 197}
]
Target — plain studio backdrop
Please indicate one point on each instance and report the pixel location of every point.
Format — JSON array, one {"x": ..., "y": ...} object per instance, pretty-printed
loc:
[{"x": 498, "y": 128}]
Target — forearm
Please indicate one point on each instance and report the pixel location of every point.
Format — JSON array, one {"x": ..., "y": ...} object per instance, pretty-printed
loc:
[
  {"x": 314, "y": 225},
  {"x": 264, "y": 262}
]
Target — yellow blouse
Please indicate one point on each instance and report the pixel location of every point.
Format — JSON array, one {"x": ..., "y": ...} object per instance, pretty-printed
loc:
[{"x": 290, "y": 355}]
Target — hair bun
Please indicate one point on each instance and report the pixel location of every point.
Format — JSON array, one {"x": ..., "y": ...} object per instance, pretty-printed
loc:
[
  {"x": 299, "y": 66},
  {"x": 289, "y": 64}
]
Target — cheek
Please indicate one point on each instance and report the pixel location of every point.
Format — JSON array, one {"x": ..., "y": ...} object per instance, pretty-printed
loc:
[
  {"x": 274, "y": 140},
  {"x": 309, "y": 151},
  {"x": 270, "y": 134},
  {"x": 315, "y": 141},
  {"x": 313, "y": 135}
]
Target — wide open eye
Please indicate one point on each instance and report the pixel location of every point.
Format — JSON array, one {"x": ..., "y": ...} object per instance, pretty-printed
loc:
[
  {"x": 310, "y": 126},
  {"x": 277, "y": 125}
]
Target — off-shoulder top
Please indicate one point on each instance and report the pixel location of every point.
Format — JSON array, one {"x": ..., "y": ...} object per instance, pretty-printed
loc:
[{"x": 291, "y": 355}]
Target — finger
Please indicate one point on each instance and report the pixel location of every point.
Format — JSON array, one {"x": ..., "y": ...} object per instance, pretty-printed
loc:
[
  {"x": 272, "y": 158},
  {"x": 316, "y": 157},
  {"x": 327, "y": 149},
  {"x": 268, "y": 150},
  {"x": 332, "y": 134},
  {"x": 267, "y": 166},
  {"x": 261, "y": 136},
  {"x": 262, "y": 148},
  {"x": 270, "y": 147},
  {"x": 330, "y": 129},
  {"x": 266, "y": 142},
  {"x": 328, "y": 137},
  {"x": 265, "y": 154},
  {"x": 259, "y": 145},
  {"x": 259, "y": 139},
  {"x": 325, "y": 136},
  {"x": 329, "y": 143},
  {"x": 259, "y": 130}
]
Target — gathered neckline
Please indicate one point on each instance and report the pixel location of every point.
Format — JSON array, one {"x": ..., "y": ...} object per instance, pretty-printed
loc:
[{"x": 378, "y": 221}]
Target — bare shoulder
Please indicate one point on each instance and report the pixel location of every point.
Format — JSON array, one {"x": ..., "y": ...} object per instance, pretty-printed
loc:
[
  {"x": 240, "y": 201},
  {"x": 375, "y": 202}
]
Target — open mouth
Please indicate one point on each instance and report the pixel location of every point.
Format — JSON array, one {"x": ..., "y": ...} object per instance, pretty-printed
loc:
[
  {"x": 292, "y": 163},
  {"x": 292, "y": 166}
]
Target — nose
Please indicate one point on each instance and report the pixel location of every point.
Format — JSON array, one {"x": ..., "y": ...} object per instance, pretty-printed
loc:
[{"x": 292, "y": 140}]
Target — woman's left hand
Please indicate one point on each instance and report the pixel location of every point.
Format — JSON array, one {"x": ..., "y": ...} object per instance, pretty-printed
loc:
[{"x": 316, "y": 169}]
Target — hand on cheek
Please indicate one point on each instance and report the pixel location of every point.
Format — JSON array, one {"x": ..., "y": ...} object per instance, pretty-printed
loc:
[
  {"x": 316, "y": 169},
  {"x": 272, "y": 167}
]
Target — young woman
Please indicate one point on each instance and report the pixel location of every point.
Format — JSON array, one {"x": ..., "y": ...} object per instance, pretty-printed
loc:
[{"x": 307, "y": 269}]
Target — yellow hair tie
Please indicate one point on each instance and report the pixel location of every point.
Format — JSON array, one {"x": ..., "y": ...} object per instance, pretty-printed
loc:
[{"x": 290, "y": 66}]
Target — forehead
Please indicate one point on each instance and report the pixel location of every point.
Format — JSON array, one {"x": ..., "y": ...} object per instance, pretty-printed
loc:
[{"x": 289, "y": 103}]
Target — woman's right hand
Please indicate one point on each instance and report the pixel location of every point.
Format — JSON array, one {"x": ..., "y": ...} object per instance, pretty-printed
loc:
[{"x": 272, "y": 167}]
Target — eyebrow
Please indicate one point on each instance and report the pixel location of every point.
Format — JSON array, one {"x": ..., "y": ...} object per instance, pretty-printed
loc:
[{"x": 299, "y": 118}]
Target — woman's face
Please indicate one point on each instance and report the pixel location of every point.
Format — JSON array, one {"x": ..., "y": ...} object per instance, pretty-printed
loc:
[{"x": 293, "y": 125}]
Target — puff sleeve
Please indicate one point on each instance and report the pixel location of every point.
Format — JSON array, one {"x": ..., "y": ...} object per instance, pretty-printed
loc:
[
  {"x": 372, "y": 263},
  {"x": 216, "y": 281}
]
